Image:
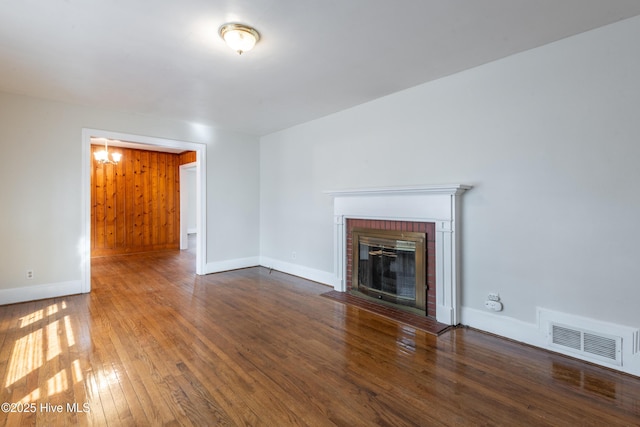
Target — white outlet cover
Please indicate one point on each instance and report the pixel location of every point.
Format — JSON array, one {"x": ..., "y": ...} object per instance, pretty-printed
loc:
[{"x": 493, "y": 305}]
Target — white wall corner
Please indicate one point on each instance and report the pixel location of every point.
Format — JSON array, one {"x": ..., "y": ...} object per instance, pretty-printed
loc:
[
  {"x": 231, "y": 264},
  {"x": 37, "y": 292},
  {"x": 320, "y": 276}
]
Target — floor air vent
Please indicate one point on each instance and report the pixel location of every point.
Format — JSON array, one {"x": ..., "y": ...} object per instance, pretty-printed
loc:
[{"x": 588, "y": 344}]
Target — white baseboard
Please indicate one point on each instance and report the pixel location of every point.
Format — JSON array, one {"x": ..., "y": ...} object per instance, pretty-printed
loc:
[
  {"x": 314, "y": 275},
  {"x": 502, "y": 325},
  {"x": 231, "y": 264},
  {"x": 324, "y": 277},
  {"x": 32, "y": 293},
  {"x": 533, "y": 334}
]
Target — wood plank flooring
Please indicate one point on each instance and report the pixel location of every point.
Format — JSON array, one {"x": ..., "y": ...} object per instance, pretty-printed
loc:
[{"x": 153, "y": 344}]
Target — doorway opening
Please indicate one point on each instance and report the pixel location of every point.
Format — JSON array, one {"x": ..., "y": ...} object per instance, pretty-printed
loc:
[{"x": 139, "y": 142}]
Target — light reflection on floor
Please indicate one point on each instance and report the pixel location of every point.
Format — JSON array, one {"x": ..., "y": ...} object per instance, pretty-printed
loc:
[{"x": 48, "y": 338}]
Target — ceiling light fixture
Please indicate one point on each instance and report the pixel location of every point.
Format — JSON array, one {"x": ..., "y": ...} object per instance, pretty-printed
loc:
[
  {"x": 238, "y": 37},
  {"x": 102, "y": 156}
]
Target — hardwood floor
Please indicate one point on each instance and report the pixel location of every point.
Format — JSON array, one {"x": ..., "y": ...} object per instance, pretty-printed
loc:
[{"x": 153, "y": 344}]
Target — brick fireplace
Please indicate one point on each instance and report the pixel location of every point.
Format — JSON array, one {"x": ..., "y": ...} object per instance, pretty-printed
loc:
[
  {"x": 433, "y": 208},
  {"x": 428, "y": 228}
]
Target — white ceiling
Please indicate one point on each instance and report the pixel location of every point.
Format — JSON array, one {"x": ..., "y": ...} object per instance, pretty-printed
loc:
[{"x": 316, "y": 57}]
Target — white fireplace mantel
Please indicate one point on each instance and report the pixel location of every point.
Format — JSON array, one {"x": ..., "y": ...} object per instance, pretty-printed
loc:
[{"x": 439, "y": 204}]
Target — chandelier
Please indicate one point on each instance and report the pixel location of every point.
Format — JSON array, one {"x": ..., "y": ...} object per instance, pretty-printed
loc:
[{"x": 106, "y": 158}]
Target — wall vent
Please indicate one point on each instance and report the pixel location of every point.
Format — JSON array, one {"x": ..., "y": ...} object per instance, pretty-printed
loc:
[{"x": 587, "y": 344}]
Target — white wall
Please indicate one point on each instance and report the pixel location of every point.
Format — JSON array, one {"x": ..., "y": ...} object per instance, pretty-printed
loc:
[
  {"x": 40, "y": 188},
  {"x": 550, "y": 140}
]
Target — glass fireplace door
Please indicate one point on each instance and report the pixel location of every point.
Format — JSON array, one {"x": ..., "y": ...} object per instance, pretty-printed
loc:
[{"x": 390, "y": 266}]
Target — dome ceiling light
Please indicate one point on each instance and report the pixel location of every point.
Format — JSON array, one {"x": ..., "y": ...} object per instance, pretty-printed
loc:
[{"x": 238, "y": 37}]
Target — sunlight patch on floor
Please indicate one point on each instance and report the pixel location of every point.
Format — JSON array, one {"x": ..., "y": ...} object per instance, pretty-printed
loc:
[
  {"x": 28, "y": 354},
  {"x": 34, "y": 317},
  {"x": 53, "y": 341},
  {"x": 31, "y": 397},
  {"x": 58, "y": 383}
]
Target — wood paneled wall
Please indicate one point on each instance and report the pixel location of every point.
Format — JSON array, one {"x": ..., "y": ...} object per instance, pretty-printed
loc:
[
  {"x": 187, "y": 157},
  {"x": 135, "y": 205}
]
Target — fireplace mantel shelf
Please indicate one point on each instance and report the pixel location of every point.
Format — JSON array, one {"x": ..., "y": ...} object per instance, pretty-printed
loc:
[{"x": 453, "y": 189}]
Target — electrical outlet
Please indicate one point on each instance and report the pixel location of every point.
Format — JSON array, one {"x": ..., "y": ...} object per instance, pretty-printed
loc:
[
  {"x": 493, "y": 296},
  {"x": 493, "y": 305},
  {"x": 29, "y": 274},
  {"x": 293, "y": 255}
]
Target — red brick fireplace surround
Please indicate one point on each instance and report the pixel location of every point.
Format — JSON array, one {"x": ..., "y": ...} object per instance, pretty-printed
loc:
[
  {"x": 435, "y": 207},
  {"x": 421, "y": 227}
]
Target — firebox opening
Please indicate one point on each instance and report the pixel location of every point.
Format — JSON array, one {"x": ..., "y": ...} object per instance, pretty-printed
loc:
[{"x": 390, "y": 266}]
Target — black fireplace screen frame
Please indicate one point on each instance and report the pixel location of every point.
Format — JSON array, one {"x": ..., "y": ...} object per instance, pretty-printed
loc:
[{"x": 375, "y": 271}]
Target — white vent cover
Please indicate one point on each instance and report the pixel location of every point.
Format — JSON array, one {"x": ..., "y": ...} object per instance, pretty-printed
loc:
[{"x": 587, "y": 344}]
